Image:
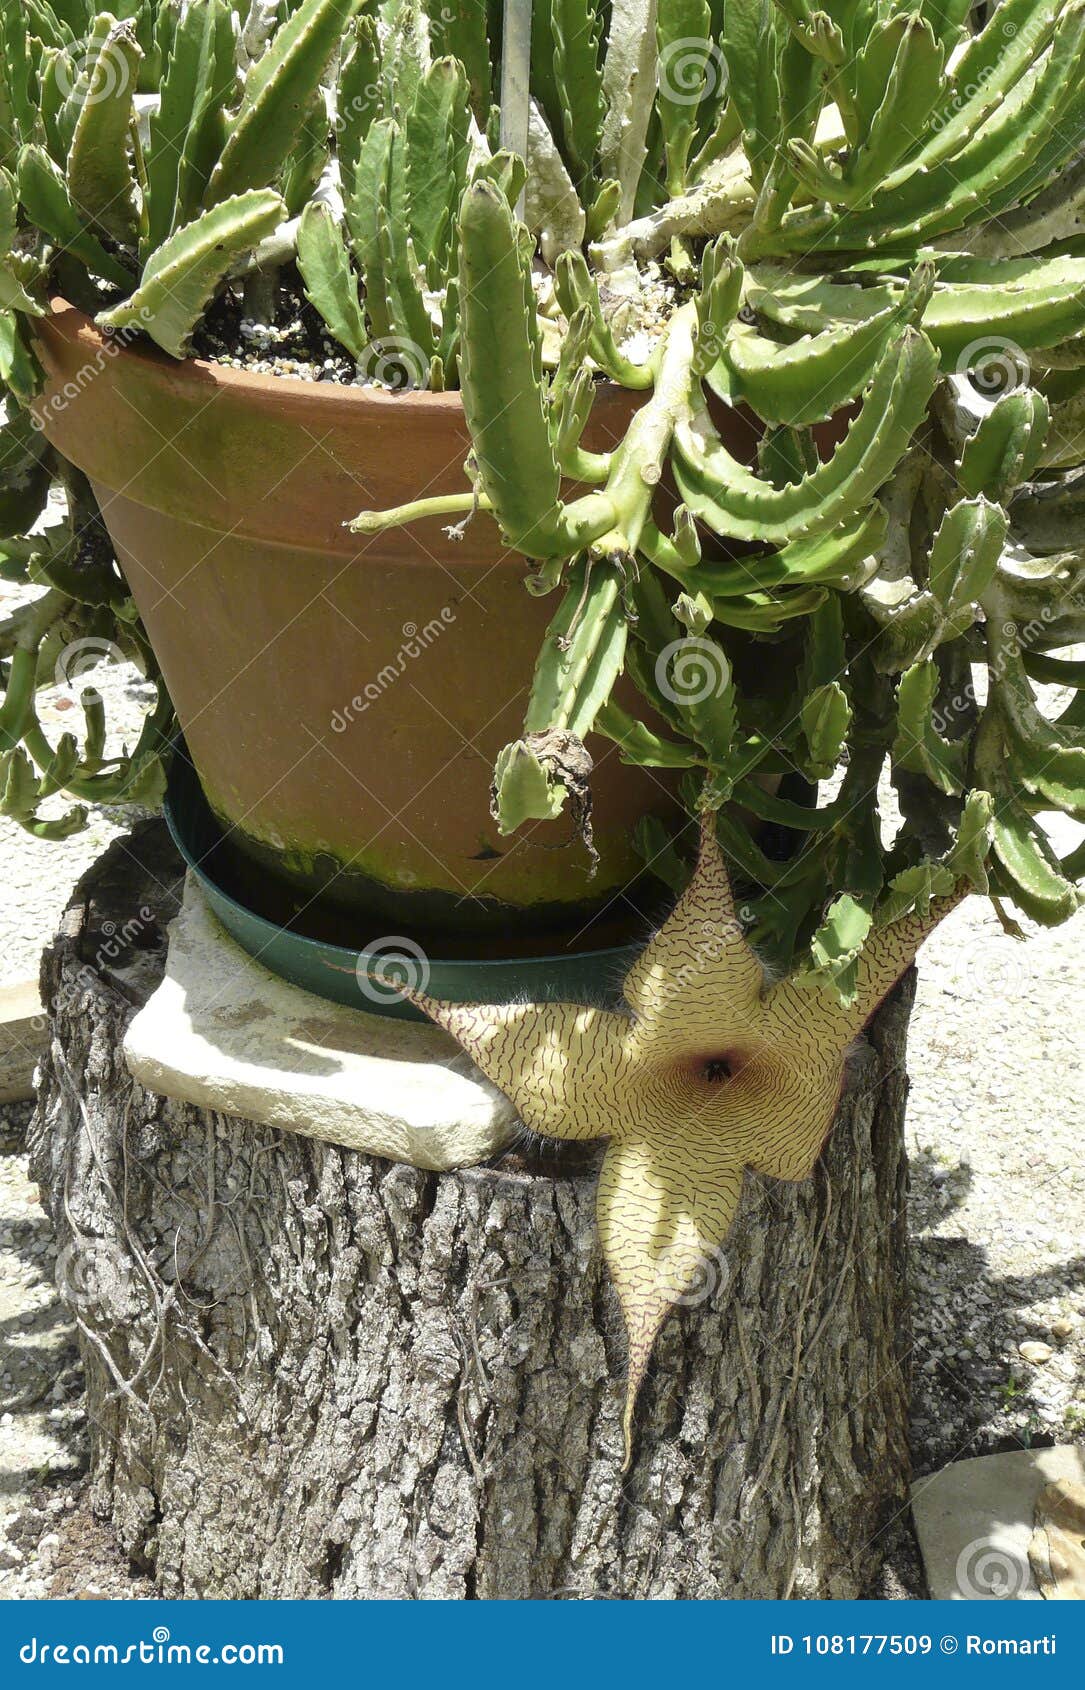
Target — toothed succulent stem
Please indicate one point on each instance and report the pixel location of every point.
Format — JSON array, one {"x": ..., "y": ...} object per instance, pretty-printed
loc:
[
  {"x": 835, "y": 263},
  {"x": 637, "y": 465}
]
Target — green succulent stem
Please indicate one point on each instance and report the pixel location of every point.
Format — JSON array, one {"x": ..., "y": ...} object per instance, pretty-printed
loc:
[
  {"x": 787, "y": 232},
  {"x": 637, "y": 465},
  {"x": 29, "y": 628},
  {"x": 400, "y": 516}
]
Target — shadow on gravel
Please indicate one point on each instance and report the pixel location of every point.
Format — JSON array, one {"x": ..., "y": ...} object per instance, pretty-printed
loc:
[
  {"x": 41, "y": 1383},
  {"x": 970, "y": 1386}
]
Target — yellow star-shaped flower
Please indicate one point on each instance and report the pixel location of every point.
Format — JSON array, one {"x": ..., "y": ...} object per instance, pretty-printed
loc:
[{"x": 713, "y": 1071}]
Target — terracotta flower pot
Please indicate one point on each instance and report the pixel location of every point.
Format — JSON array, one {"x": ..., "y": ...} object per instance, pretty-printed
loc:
[{"x": 343, "y": 698}]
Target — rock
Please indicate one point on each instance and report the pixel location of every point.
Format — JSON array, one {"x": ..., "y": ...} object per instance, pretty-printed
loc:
[
  {"x": 1057, "y": 1549},
  {"x": 22, "y": 1040},
  {"x": 974, "y": 1521},
  {"x": 1035, "y": 1352},
  {"x": 222, "y": 1032},
  {"x": 1062, "y": 1329}
]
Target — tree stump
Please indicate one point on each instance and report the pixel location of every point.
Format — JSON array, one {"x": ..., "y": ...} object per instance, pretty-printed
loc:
[{"x": 314, "y": 1373}]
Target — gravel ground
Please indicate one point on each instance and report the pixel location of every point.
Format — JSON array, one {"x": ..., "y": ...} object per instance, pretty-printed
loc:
[
  {"x": 39, "y": 874},
  {"x": 997, "y": 1213},
  {"x": 50, "y": 1543},
  {"x": 998, "y": 1189}
]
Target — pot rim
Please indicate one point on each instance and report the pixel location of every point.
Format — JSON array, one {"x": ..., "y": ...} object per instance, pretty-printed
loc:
[
  {"x": 226, "y": 376},
  {"x": 416, "y": 443}
]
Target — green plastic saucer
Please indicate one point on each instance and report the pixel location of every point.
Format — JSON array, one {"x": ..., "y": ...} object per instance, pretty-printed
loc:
[{"x": 360, "y": 978}]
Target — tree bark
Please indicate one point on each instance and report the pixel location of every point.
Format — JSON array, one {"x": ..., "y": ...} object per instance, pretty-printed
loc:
[{"x": 314, "y": 1373}]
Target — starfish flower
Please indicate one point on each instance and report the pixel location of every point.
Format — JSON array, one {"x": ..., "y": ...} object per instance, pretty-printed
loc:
[{"x": 714, "y": 1070}]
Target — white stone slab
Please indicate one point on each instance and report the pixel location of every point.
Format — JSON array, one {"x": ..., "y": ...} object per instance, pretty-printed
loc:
[
  {"x": 224, "y": 1033},
  {"x": 22, "y": 1040},
  {"x": 975, "y": 1518}
]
